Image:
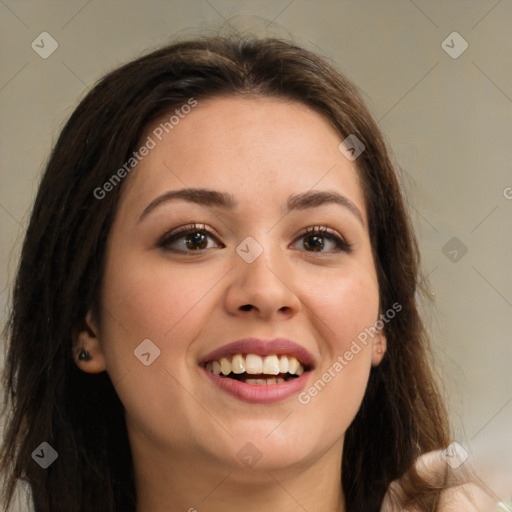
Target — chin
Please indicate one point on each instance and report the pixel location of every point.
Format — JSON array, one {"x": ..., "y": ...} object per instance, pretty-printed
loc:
[{"x": 271, "y": 449}]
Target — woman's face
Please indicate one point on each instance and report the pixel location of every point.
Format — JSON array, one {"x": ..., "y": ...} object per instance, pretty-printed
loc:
[{"x": 269, "y": 170}]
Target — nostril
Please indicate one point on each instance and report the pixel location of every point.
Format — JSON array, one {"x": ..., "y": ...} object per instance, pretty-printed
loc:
[{"x": 246, "y": 307}]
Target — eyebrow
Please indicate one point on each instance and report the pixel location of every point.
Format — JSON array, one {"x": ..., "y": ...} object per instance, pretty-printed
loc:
[{"x": 213, "y": 198}]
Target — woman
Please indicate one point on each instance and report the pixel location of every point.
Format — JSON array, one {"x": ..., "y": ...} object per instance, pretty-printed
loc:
[{"x": 215, "y": 305}]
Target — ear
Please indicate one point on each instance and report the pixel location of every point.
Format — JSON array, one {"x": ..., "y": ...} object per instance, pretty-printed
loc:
[
  {"x": 379, "y": 348},
  {"x": 86, "y": 338}
]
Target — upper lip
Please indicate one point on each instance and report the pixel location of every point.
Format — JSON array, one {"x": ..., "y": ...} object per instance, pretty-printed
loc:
[{"x": 279, "y": 346}]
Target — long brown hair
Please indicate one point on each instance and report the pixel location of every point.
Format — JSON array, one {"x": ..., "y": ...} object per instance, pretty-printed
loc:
[{"x": 49, "y": 399}]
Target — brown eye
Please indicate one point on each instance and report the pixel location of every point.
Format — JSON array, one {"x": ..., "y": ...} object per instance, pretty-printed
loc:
[
  {"x": 187, "y": 239},
  {"x": 317, "y": 238},
  {"x": 197, "y": 240},
  {"x": 314, "y": 242}
]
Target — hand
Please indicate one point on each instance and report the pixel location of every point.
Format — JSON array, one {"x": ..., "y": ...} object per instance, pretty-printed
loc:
[{"x": 463, "y": 493}]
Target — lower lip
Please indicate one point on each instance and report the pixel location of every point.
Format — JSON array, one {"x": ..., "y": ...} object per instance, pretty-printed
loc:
[{"x": 259, "y": 393}]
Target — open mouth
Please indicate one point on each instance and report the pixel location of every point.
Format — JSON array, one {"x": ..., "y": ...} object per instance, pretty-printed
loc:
[{"x": 257, "y": 370}]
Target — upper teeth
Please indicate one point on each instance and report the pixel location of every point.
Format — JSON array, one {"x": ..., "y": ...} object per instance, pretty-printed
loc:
[{"x": 255, "y": 365}]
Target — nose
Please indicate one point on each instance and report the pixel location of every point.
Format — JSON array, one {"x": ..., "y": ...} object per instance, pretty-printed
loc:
[{"x": 262, "y": 289}]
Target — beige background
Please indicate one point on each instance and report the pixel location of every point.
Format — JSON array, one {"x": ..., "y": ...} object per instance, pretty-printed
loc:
[{"x": 449, "y": 122}]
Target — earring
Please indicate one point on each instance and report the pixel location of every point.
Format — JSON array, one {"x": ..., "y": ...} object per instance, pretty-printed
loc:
[{"x": 84, "y": 355}]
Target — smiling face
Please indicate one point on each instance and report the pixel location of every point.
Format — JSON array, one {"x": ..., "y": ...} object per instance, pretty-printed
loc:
[{"x": 276, "y": 248}]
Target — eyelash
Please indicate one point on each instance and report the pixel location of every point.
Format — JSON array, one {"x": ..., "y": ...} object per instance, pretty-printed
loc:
[{"x": 190, "y": 229}]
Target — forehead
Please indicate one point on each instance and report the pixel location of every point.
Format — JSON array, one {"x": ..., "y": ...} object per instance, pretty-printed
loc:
[{"x": 250, "y": 146}]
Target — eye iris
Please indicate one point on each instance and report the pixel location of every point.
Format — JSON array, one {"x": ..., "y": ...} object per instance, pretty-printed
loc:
[
  {"x": 316, "y": 244},
  {"x": 196, "y": 238}
]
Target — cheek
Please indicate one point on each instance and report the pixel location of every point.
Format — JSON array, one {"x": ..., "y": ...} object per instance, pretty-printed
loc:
[
  {"x": 346, "y": 306},
  {"x": 156, "y": 301},
  {"x": 167, "y": 306},
  {"x": 345, "y": 309}
]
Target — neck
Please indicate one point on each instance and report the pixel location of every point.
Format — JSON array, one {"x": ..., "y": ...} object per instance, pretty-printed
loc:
[{"x": 182, "y": 482}]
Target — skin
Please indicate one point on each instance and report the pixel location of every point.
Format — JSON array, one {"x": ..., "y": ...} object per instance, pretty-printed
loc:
[
  {"x": 466, "y": 491},
  {"x": 184, "y": 432}
]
